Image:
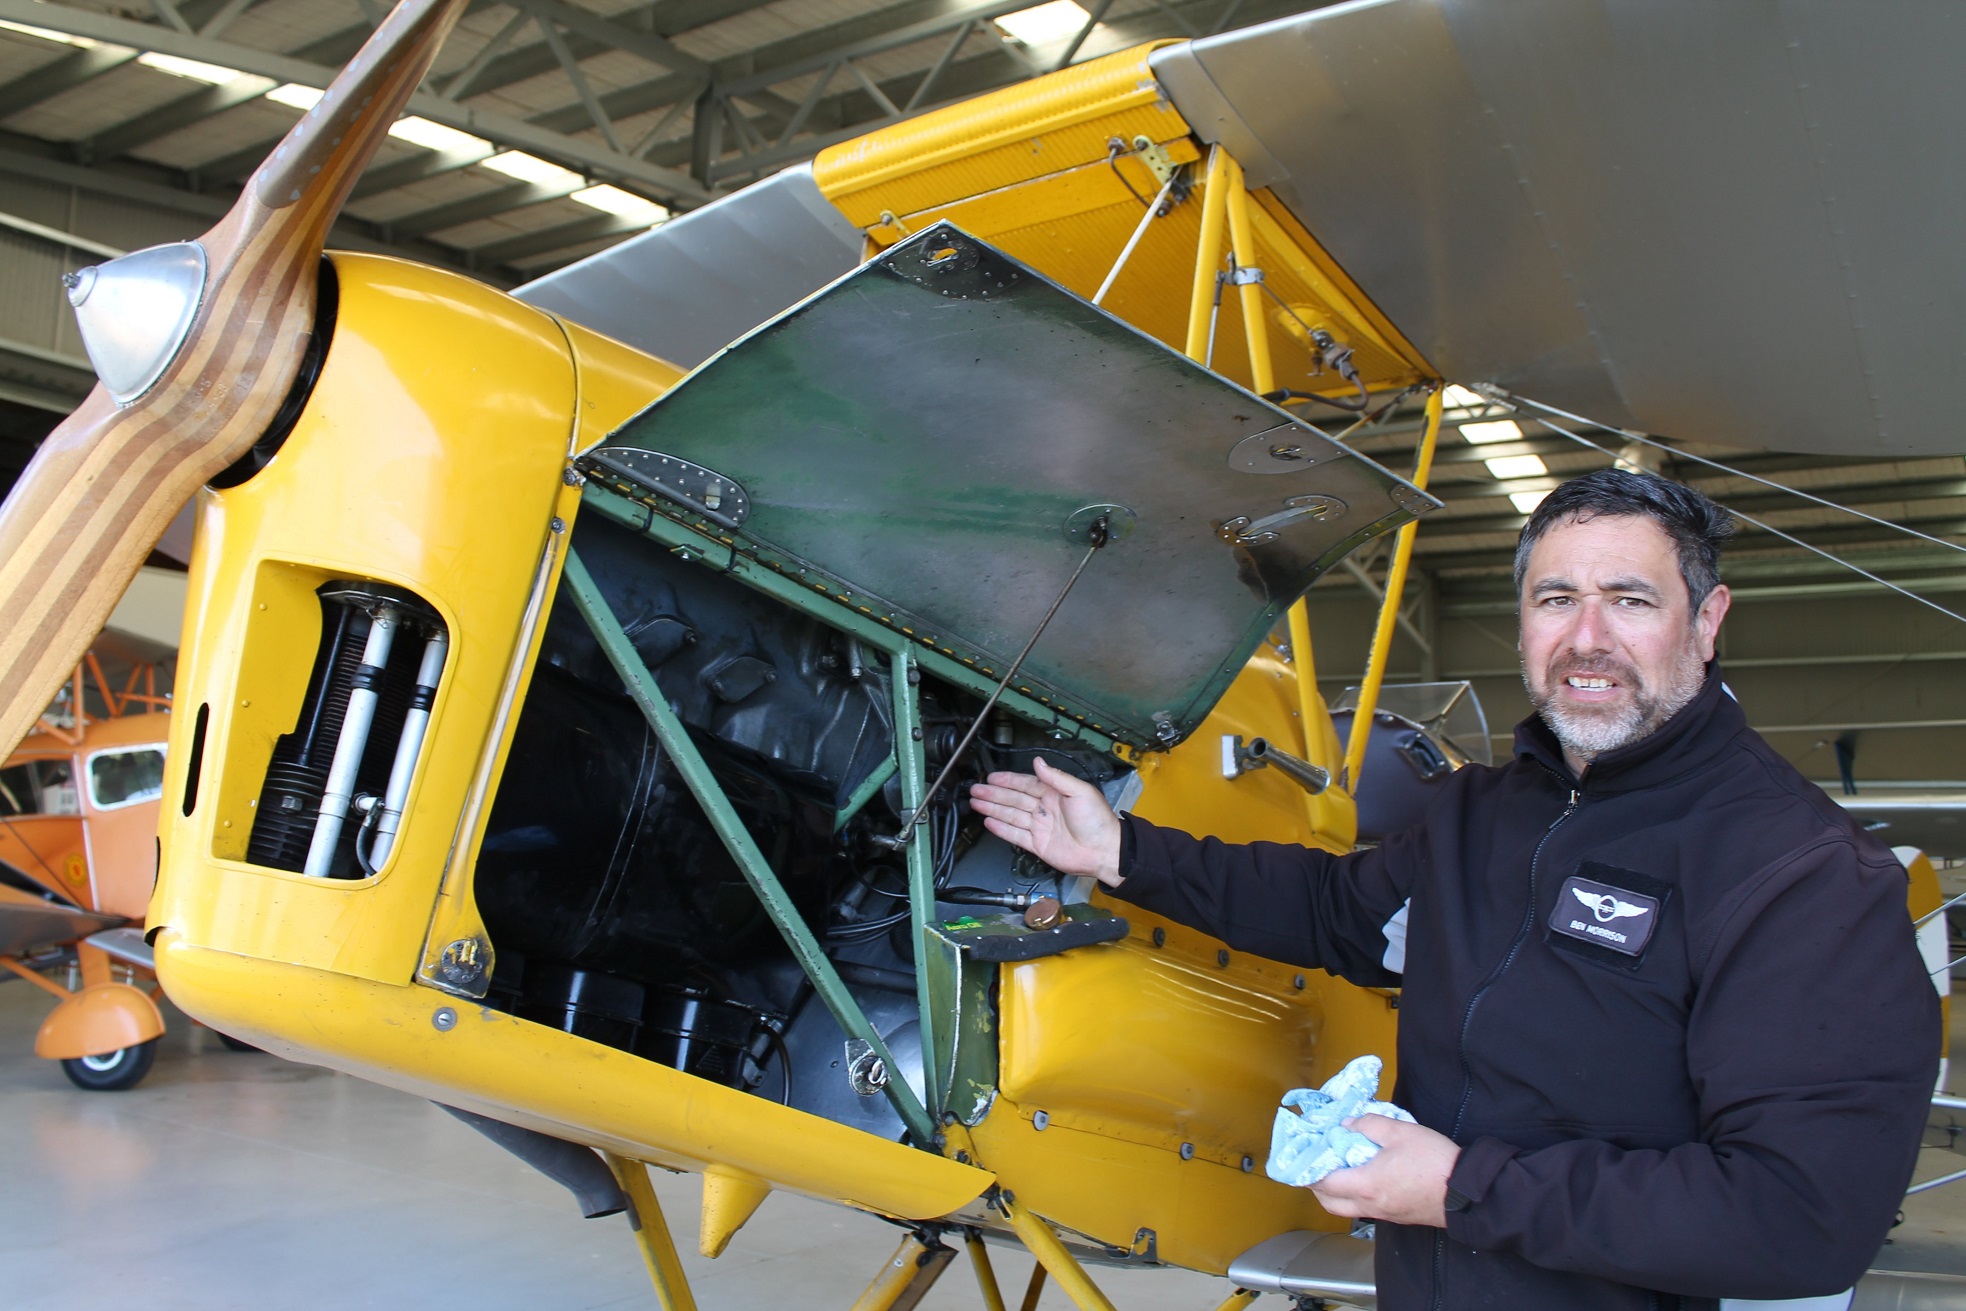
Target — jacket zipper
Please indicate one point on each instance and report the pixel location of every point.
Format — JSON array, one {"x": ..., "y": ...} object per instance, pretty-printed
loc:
[{"x": 1467, "y": 1016}]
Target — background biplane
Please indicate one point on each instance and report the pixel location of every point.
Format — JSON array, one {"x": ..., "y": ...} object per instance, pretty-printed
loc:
[
  {"x": 78, "y": 860},
  {"x": 559, "y": 737}
]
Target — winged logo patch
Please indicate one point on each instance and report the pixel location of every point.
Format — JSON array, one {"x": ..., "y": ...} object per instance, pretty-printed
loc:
[
  {"x": 1607, "y": 907},
  {"x": 1611, "y": 917}
]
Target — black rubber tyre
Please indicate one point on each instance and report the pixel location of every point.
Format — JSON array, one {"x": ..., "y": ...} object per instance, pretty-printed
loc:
[
  {"x": 119, "y": 1070},
  {"x": 236, "y": 1044}
]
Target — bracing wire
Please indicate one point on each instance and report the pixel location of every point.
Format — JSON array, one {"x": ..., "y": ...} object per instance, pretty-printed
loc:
[
  {"x": 1679, "y": 454},
  {"x": 1748, "y": 518},
  {"x": 1153, "y": 211}
]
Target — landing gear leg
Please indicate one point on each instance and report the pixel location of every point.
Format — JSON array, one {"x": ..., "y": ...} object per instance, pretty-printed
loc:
[
  {"x": 1033, "y": 1290},
  {"x": 908, "y": 1274},
  {"x": 652, "y": 1235},
  {"x": 986, "y": 1277},
  {"x": 1052, "y": 1257}
]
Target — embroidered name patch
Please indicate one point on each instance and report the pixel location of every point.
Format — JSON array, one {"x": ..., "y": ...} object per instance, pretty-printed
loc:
[{"x": 1613, "y": 910}]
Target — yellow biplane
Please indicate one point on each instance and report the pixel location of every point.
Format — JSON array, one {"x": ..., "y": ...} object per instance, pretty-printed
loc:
[{"x": 577, "y": 688}]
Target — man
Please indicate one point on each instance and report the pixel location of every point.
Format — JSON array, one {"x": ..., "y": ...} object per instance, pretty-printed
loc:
[{"x": 1664, "y": 1026}]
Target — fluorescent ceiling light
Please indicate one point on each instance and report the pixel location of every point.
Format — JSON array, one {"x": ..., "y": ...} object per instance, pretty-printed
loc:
[
  {"x": 216, "y": 74},
  {"x": 295, "y": 96},
  {"x": 1460, "y": 398},
  {"x": 435, "y": 136},
  {"x": 1497, "y": 430},
  {"x": 1517, "y": 466},
  {"x": 1059, "y": 20},
  {"x": 80, "y": 42},
  {"x": 530, "y": 168},
  {"x": 1526, "y": 502},
  {"x": 625, "y": 203}
]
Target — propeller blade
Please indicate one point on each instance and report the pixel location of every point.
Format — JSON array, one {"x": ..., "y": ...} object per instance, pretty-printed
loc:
[{"x": 192, "y": 397}]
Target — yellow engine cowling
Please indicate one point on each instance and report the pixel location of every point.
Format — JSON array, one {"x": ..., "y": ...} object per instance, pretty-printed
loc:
[{"x": 431, "y": 457}]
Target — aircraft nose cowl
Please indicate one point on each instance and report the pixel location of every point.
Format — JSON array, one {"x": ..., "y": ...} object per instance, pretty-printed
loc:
[{"x": 135, "y": 312}]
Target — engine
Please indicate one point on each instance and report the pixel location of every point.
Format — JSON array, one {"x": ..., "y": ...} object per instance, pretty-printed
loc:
[{"x": 615, "y": 911}]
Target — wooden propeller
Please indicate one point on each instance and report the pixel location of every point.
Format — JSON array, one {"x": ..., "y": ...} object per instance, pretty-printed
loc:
[{"x": 107, "y": 482}]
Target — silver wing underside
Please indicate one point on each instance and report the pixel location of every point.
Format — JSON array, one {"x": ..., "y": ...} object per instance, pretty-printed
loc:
[
  {"x": 1734, "y": 222},
  {"x": 691, "y": 287},
  {"x": 1737, "y": 223}
]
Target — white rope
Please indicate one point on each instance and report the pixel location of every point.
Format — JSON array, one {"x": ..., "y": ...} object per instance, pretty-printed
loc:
[
  {"x": 1748, "y": 518},
  {"x": 1679, "y": 454}
]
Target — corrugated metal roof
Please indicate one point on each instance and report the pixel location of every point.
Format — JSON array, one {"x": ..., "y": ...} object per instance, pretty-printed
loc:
[{"x": 523, "y": 79}]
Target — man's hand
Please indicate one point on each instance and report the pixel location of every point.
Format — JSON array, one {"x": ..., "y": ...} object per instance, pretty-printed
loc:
[
  {"x": 1405, "y": 1184},
  {"x": 1063, "y": 821}
]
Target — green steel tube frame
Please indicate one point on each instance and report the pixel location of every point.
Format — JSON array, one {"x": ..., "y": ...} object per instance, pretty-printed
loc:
[
  {"x": 691, "y": 544},
  {"x": 864, "y": 793},
  {"x": 689, "y": 762},
  {"x": 907, "y": 661},
  {"x": 912, "y": 761}
]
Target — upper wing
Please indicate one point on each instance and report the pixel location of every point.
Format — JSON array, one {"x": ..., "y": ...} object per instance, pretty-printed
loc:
[{"x": 1727, "y": 223}]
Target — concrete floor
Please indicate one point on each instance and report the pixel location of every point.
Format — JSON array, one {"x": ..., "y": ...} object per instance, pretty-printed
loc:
[
  {"x": 234, "y": 1180},
  {"x": 237, "y": 1180}
]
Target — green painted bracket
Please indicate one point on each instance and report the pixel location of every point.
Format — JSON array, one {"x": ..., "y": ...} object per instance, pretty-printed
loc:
[
  {"x": 966, "y": 1045},
  {"x": 689, "y": 762}
]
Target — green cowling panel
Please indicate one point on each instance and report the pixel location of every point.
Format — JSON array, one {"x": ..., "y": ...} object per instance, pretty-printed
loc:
[{"x": 924, "y": 431}]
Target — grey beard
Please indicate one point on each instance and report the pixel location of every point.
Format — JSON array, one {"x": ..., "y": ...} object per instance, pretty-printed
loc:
[{"x": 1589, "y": 734}]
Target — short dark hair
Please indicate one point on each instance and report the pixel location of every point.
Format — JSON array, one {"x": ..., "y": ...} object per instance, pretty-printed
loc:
[{"x": 1698, "y": 528}]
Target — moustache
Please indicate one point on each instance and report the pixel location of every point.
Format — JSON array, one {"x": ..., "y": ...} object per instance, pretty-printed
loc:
[{"x": 1624, "y": 674}]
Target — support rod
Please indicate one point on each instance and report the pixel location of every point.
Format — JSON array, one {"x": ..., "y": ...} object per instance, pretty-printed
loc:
[
  {"x": 35, "y": 977},
  {"x": 911, "y": 764},
  {"x": 1208, "y": 251},
  {"x": 1311, "y": 713},
  {"x": 1952, "y": 1178},
  {"x": 1053, "y": 1258},
  {"x": 1242, "y": 242},
  {"x": 864, "y": 793},
  {"x": 695, "y": 771},
  {"x": 1097, "y": 533},
  {"x": 1378, "y": 593},
  {"x": 907, "y": 1276},
  {"x": 1382, "y": 637},
  {"x": 1126, "y": 252},
  {"x": 986, "y": 1275},
  {"x": 1034, "y": 1289},
  {"x": 652, "y": 1235}
]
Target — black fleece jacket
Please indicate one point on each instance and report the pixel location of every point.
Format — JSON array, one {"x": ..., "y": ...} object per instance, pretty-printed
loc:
[{"x": 1674, "y": 1015}]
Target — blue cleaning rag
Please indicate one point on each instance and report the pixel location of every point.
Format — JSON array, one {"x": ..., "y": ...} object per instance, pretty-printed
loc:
[{"x": 1309, "y": 1142}]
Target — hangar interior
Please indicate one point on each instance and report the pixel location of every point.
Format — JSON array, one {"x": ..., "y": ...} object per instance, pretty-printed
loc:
[{"x": 551, "y": 130}]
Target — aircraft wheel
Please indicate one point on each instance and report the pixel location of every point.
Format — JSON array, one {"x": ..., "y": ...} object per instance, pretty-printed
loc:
[
  {"x": 114, "y": 1072},
  {"x": 235, "y": 1044}
]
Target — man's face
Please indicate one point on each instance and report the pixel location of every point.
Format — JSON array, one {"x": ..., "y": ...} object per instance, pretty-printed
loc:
[{"x": 1611, "y": 646}]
